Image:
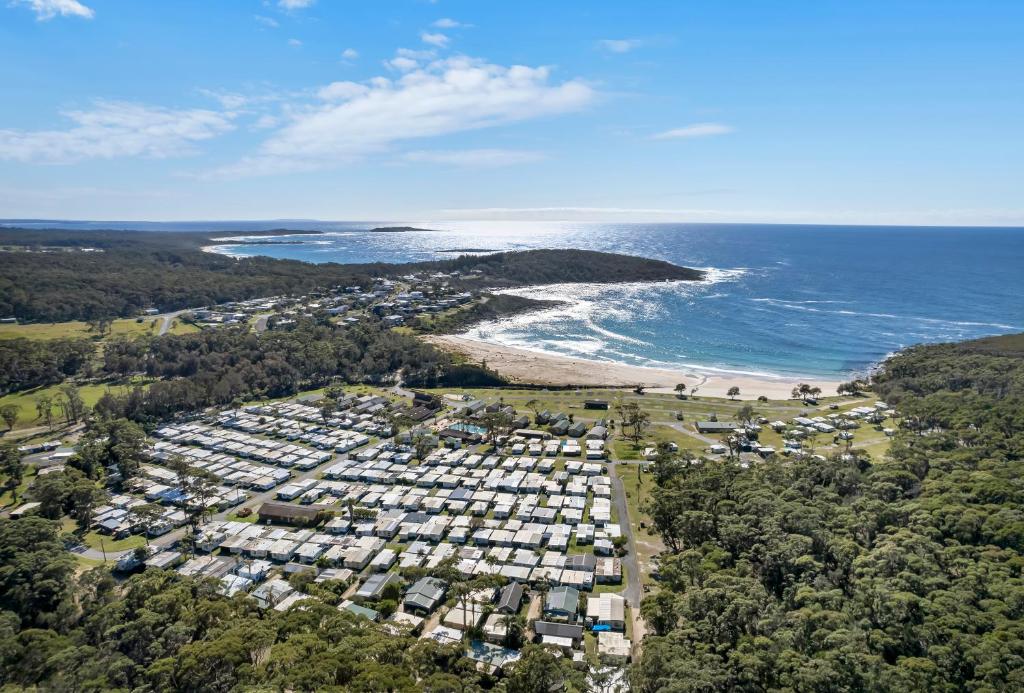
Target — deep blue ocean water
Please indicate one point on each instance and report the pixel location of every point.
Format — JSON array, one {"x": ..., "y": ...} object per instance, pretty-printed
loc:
[{"x": 817, "y": 301}]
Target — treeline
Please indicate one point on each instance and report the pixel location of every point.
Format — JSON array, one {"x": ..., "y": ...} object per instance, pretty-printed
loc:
[
  {"x": 490, "y": 307},
  {"x": 903, "y": 573},
  {"x": 125, "y": 272},
  {"x": 67, "y": 630},
  {"x": 563, "y": 265},
  {"x": 29, "y": 363},
  {"x": 130, "y": 271},
  {"x": 216, "y": 367}
]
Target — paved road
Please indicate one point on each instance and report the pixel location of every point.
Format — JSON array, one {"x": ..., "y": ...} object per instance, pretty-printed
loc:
[
  {"x": 166, "y": 319},
  {"x": 633, "y": 592},
  {"x": 261, "y": 322}
]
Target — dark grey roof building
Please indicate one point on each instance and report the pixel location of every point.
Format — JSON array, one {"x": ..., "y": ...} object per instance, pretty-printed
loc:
[{"x": 425, "y": 595}]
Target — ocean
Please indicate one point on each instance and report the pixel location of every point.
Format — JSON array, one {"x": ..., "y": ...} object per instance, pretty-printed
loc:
[{"x": 817, "y": 301}]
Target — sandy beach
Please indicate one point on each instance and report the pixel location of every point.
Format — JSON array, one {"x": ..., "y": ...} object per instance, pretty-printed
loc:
[{"x": 535, "y": 368}]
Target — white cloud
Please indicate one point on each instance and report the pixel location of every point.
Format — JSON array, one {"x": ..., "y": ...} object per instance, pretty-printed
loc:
[
  {"x": 475, "y": 158},
  {"x": 48, "y": 9},
  {"x": 349, "y": 54},
  {"x": 114, "y": 129},
  {"x": 266, "y": 21},
  {"x": 695, "y": 130},
  {"x": 295, "y": 4},
  {"x": 402, "y": 64},
  {"x": 266, "y": 121},
  {"x": 294, "y": 42},
  {"x": 439, "y": 40},
  {"x": 619, "y": 45},
  {"x": 342, "y": 91},
  {"x": 448, "y": 23},
  {"x": 443, "y": 97},
  {"x": 407, "y": 60}
]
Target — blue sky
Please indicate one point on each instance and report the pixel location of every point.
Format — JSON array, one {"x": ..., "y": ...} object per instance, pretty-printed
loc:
[{"x": 818, "y": 111}]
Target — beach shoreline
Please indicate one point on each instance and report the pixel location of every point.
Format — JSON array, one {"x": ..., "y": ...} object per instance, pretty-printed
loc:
[{"x": 526, "y": 367}]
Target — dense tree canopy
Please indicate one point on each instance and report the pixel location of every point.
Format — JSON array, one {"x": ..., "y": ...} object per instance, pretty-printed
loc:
[
  {"x": 219, "y": 366},
  {"x": 28, "y": 363},
  {"x": 901, "y": 573}
]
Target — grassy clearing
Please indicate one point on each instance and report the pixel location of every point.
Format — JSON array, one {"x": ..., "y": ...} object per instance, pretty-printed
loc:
[
  {"x": 179, "y": 327},
  {"x": 118, "y": 328},
  {"x": 7, "y": 498},
  {"x": 101, "y": 542},
  {"x": 86, "y": 563},
  {"x": 26, "y": 400}
]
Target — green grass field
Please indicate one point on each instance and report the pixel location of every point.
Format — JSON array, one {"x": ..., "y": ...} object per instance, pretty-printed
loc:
[
  {"x": 77, "y": 328},
  {"x": 7, "y": 498},
  {"x": 126, "y": 327},
  {"x": 26, "y": 401},
  {"x": 101, "y": 542}
]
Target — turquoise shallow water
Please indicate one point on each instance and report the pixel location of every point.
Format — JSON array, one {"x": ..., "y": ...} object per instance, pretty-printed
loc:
[{"x": 786, "y": 300}]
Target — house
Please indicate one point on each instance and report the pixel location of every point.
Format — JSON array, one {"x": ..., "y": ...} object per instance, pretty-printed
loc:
[
  {"x": 608, "y": 571},
  {"x": 562, "y": 632},
  {"x": 577, "y": 429},
  {"x": 613, "y": 647},
  {"x": 716, "y": 427},
  {"x": 401, "y": 621},
  {"x": 510, "y": 598},
  {"x": 562, "y": 603},
  {"x": 425, "y": 595},
  {"x": 464, "y": 615},
  {"x": 287, "y": 513},
  {"x": 24, "y": 509},
  {"x": 607, "y": 610},
  {"x": 290, "y": 601},
  {"x": 358, "y": 610},
  {"x": 491, "y": 659},
  {"x": 444, "y": 635},
  {"x": 271, "y": 593},
  {"x": 496, "y": 628},
  {"x": 377, "y": 584}
]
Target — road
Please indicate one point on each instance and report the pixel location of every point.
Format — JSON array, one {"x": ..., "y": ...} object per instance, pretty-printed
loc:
[
  {"x": 167, "y": 319},
  {"x": 261, "y": 322},
  {"x": 634, "y": 589}
]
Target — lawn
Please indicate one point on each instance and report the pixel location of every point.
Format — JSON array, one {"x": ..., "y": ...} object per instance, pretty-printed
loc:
[
  {"x": 77, "y": 328},
  {"x": 7, "y": 497},
  {"x": 101, "y": 542}
]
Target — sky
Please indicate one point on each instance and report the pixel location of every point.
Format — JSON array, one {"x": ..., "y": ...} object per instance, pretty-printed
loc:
[{"x": 887, "y": 112}]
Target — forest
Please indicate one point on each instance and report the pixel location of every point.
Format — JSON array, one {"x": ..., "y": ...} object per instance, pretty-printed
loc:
[
  {"x": 489, "y": 307},
  {"x": 901, "y": 573},
  {"x": 54, "y": 276},
  {"x": 28, "y": 363},
  {"x": 216, "y": 367},
  {"x": 63, "y": 629}
]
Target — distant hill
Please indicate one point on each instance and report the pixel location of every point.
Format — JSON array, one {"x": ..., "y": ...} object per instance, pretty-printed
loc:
[
  {"x": 397, "y": 229},
  {"x": 44, "y": 279},
  {"x": 553, "y": 266}
]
